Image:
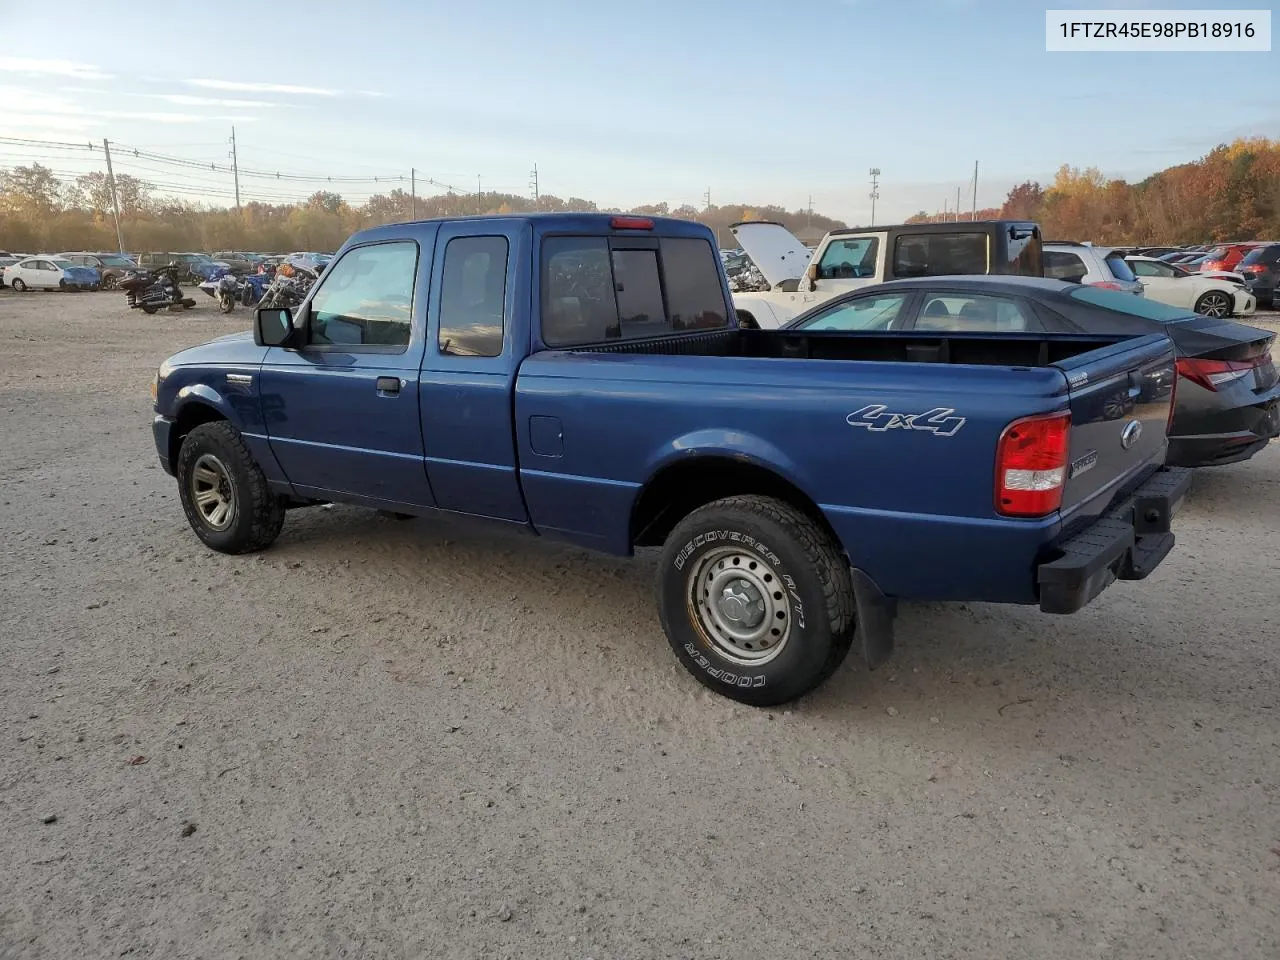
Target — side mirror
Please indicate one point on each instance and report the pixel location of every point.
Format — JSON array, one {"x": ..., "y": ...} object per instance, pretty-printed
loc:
[
  {"x": 273, "y": 326},
  {"x": 811, "y": 274}
]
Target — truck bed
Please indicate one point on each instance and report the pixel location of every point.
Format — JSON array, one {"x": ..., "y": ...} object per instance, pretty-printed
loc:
[{"x": 983, "y": 349}]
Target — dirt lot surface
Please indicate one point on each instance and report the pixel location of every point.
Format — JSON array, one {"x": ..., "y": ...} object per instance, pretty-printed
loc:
[{"x": 424, "y": 739}]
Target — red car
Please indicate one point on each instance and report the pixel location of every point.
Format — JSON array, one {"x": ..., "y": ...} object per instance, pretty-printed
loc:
[{"x": 1227, "y": 255}]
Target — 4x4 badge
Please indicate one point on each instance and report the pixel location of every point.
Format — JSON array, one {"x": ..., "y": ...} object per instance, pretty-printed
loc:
[{"x": 937, "y": 421}]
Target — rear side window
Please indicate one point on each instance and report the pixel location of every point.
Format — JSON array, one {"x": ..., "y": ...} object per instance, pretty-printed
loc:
[
  {"x": 1119, "y": 269},
  {"x": 473, "y": 296},
  {"x": 940, "y": 255},
  {"x": 1060, "y": 265},
  {"x": 845, "y": 259},
  {"x": 962, "y": 312},
  {"x": 591, "y": 293}
]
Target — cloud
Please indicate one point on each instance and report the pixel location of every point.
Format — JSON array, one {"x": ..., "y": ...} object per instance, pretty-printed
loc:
[
  {"x": 261, "y": 87},
  {"x": 58, "y": 68},
  {"x": 66, "y": 113},
  {"x": 28, "y": 122},
  {"x": 184, "y": 100},
  {"x": 372, "y": 93}
]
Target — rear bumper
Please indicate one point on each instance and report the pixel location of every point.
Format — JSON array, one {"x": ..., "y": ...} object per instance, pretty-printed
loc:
[
  {"x": 1125, "y": 543},
  {"x": 1244, "y": 431}
]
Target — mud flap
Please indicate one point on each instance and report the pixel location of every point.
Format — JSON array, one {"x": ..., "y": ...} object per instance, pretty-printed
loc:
[{"x": 875, "y": 616}]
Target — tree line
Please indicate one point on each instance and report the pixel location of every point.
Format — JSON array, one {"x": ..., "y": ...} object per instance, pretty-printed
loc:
[{"x": 1231, "y": 193}]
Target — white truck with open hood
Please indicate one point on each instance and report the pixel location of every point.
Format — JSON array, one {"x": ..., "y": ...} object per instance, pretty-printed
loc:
[{"x": 852, "y": 258}]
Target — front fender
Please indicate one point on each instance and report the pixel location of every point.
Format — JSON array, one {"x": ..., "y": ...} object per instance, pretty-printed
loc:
[{"x": 766, "y": 317}]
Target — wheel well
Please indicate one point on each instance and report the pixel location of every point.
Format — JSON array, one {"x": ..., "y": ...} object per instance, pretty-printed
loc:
[
  {"x": 747, "y": 320},
  {"x": 192, "y": 415},
  {"x": 676, "y": 491}
]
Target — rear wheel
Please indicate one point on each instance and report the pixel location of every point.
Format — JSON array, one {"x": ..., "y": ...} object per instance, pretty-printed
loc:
[
  {"x": 109, "y": 281},
  {"x": 148, "y": 309},
  {"x": 19, "y": 284},
  {"x": 1214, "y": 304},
  {"x": 755, "y": 599},
  {"x": 227, "y": 500}
]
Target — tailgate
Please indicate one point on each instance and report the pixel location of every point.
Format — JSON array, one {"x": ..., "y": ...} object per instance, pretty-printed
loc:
[{"x": 1121, "y": 396}]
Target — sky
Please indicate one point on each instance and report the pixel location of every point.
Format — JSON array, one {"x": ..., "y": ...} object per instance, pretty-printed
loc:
[{"x": 759, "y": 102}]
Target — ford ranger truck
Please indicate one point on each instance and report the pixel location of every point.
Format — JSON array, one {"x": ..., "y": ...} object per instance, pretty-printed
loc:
[
  {"x": 849, "y": 259},
  {"x": 582, "y": 377}
]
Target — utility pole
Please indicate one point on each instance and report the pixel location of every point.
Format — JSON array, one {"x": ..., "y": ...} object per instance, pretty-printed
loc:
[
  {"x": 875, "y": 192},
  {"x": 235, "y": 167},
  {"x": 809, "y": 219},
  {"x": 706, "y": 199},
  {"x": 479, "y": 196},
  {"x": 974, "y": 215},
  {"x": 957, "y": 204},
  {"x": 533, "y": 184},
  {"x": 945, "y": 201},
  {"x": 413, "y": 192},
  {"x": 115, "y": 200}
]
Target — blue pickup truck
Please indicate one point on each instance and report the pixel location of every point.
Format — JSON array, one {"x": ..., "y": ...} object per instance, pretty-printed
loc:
[{"x": 583, "y": 377}]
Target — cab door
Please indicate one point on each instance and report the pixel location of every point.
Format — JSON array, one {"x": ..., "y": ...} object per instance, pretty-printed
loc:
[{"x": 341, "y": 408}]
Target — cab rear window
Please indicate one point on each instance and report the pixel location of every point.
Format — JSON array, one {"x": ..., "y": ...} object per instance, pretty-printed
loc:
[{"x": 593, "y": 292}]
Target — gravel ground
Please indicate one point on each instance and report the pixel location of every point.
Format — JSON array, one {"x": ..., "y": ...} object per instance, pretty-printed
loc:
[{"x": 425, "y": 739}]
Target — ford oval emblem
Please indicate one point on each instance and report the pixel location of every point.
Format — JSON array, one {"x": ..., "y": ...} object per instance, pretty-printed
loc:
[{"x": 1131, "y": 433}]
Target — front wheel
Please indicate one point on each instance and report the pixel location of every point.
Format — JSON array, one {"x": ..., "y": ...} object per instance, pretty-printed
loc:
[
  {"x": 149, "y": 309},
  {"x": 109, "y": 282},
  {"x": 227, "y": 500},
  {"x": 1215, "y": 304},
  {"x": 755, "y": 599}
]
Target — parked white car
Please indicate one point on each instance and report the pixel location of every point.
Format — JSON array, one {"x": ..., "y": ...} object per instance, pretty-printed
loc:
[
  {"x": 1095, "y": 266},
  {"x": 50, "y": 273},
  {"x": 1209, "y": 295}
]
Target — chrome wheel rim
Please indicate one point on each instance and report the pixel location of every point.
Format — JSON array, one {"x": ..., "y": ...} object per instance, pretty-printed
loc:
[
  {"x": 108, "y": 283},
  {"x": 1215, "y": 305},
  {"x": 212, "y": 492},
  {"x": 740, "y": 605}
]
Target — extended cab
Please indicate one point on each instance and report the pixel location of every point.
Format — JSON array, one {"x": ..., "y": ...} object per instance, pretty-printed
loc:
[
  {"x": 845, "y": 260},
  {"x": 582, "y": 377}
]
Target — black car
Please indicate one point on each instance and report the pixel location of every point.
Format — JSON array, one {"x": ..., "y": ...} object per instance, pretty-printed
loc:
[
  {"x": 1227, "y": 404},
  {"x": 1260, "y": 268}
]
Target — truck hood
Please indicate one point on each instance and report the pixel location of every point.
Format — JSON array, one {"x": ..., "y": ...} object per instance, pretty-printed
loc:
[
  {"x": 773, "y": 249},
  {"x": 233, "y": 348}
]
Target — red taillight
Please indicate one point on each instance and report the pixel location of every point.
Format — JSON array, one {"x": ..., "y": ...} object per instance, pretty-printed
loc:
[
  {"x": 1251, "y": 268},
  {"x": 1107, "y": 285},
  {"x": 1031, "y": 465},
  {"x": 631, "y": 223},
  {"x": 1211, "y": 374}
]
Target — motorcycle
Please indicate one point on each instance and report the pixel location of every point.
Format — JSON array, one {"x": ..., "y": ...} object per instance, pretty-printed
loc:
[
  {"x": 151, "y": 291},
  {"x": 229, "y": 289},
  {"x": 289, "y": 287}
]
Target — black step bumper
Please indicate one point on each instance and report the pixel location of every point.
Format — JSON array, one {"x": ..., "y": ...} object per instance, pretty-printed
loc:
[{"x": 1125, "y": 543}]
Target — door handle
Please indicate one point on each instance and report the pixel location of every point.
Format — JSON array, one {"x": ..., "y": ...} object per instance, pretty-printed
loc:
[{"x": 389, "y": 386}]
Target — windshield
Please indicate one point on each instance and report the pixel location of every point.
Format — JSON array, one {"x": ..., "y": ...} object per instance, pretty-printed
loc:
[
  {"x": 1127, "y": 303},
  {"x": 117, "y": 262}
]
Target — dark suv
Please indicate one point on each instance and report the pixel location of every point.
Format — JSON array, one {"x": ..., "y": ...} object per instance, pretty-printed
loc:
[
  {"x": 192, "y": 267},
  {"x": 1260, "y": 267},
  {"x": 112, "y": 266}
]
